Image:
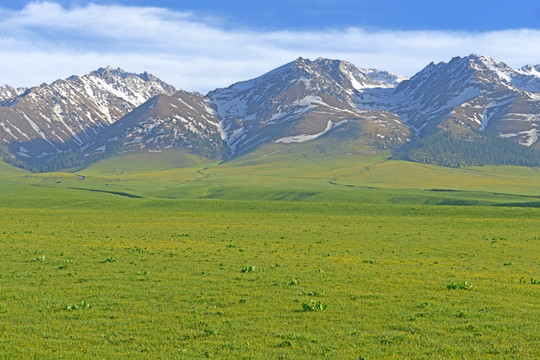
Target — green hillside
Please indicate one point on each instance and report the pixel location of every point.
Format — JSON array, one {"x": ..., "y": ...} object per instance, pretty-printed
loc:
[
  {"x": 322, "y": 170},
  {"x": 321, "y": 167},
  {"x": 313, "y": 250},
  {"x": 9, "y": 170}
]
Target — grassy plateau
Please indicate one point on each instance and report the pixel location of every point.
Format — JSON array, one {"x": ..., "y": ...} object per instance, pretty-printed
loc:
[{"x": 301, "y": 252}]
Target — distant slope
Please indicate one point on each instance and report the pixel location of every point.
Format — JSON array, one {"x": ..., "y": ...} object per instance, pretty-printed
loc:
[
  {"x": 8, "y": 170},
  {"x": 144, "y": 163},
  {"x": 183, "y": 120}
]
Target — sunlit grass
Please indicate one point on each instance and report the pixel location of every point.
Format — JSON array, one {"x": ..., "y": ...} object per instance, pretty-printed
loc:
[
  {"x": 340, "y": 255},
  {"x": 169, "y": 279}
]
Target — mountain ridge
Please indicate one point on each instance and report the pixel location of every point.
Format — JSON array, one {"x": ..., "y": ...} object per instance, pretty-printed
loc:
[
  {"x": 303, "y": 100},
  {"x": 68, "y": 114}
]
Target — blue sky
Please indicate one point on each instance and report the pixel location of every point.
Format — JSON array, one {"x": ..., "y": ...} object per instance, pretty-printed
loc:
[
  {"x": 200, "y": 45},
  {"x": 372, "y": 14},
  {"x": 470, "y": 15}
]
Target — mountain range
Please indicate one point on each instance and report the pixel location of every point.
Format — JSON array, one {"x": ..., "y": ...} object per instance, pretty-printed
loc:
[{"x": 108, "y": 112}]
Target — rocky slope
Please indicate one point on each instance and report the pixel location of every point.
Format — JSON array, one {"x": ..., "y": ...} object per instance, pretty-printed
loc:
[
  {"x": 182, "y": 120},
  {"x": 474, "y": 92},
  {"x": 301, "y": 101},
  {"x": 69, "y": 114}
]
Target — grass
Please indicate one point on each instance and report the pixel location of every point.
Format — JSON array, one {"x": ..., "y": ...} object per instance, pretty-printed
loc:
[
  {"x": 333, "y": 173},
  {"x": 176, "y": 290},
  {"x": 270, "y": 257},
  {"x": 460, "y": 285}
]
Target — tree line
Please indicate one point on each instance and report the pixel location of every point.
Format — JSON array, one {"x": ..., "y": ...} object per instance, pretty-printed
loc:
[{"x": 474, "y": 149}]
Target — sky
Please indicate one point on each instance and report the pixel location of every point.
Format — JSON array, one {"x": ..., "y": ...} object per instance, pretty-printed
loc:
[{"x": 205, "y": 44}]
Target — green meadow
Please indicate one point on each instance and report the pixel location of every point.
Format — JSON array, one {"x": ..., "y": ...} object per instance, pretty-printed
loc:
[{"x": 311, "y": 251}]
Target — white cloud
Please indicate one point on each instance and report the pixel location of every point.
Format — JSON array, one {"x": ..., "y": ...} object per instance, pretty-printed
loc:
[{"x": 45, "y": 41}]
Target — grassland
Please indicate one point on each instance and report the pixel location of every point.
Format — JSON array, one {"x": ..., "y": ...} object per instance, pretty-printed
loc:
[{"x": 149, "y": 258}]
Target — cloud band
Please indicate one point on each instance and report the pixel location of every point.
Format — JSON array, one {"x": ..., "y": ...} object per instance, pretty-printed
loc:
[{"x": 45, "y": 41}]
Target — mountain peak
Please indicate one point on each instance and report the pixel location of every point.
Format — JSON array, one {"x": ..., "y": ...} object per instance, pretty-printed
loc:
[
  {"x": 146, "y": 76},
  {"x": 487, "y": 61},
  {"x": 479, "y": 57},
  {"x": 301, "y": 63},
  {"x": 531, "y": 69},
  {"x": 109, "y": 70},
  {"x": 477, "y": 69},
  {"x": 472, "y": 58},
  {"x": 117, "y": 75}
]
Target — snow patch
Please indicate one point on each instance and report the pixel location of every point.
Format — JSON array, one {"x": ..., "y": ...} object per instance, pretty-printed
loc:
[
  {"x": 236, "y": 136},
  {"x": 355, "y": 84},
  {"x": 310, "y": 101},
  {"x": 467, "y": 94},
  {"x": 485, "y": 119},
  {"x": 57, "y": 109},
  {"x": 390, "y": 79},
  {"x": 304, "y": 137},
  {"x": 307, "y": 83},
  {"x": 531, "y": 135},
  {"x": 33, "y": 125}
]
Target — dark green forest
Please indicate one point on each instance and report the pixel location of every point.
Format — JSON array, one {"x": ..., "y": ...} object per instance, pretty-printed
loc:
[{"x": 474, "y": 149}]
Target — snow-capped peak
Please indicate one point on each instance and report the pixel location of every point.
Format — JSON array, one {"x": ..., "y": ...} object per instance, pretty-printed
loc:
[
  {"x": 9, "y": 94},
  {"x": 67, "y": 114},
  {"x": 533, "y": 70},
  {"x": 109, "y": 70},
  {"x": 527, "y": 78},
  {"x": 486, "y": 63}
]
